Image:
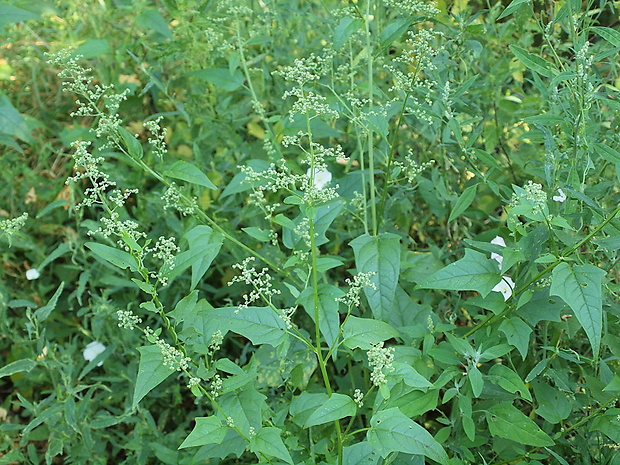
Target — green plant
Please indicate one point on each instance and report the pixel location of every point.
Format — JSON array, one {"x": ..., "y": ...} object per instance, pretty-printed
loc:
[{"x": 384, "y": 278}]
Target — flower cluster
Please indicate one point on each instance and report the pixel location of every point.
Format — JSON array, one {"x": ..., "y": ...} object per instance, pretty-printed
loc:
[
  {"x": 414, "y": 7},
  {"x": 127, "y": 319},
  {"x": 260, "y": 280},
  {"x": 380, "y": 360},
  {"x": 174, "y": 199},
  {"x": 158, "y": 137},
  {"x": 411, "y": 168},
  {"x": 173, "y": 357},
  {"x": 309, "y": 69},
  {"x": 12, "y": 226},
  {"x": 359, "y": 281}
]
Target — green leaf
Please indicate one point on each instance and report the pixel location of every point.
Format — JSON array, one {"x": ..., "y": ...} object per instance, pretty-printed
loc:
[
  {"x": 610, "y": 35},
  {"x": 553, "y": 404},
  {"x": 391, "y": 431},
  {"x": 153, "y": 20},
  {"x": 474, "y": 272},
  {"x": 379, "y": 255},
  {"x": 42, "y": 313},
  {"x": 393, "y": 31},
  {"x": 304, "y": 405},
  {"x": 133, "y": 145},
  {"x": 12, "y": 122},
  {"x": 151, "y": 372},
  {"x": 506, "y": 421},
  {"x": 608, "y": 153},
  {"x": 185, "y": 171},
  {"x": 345, "y": 29},
  {"x": 205, "y": 245},
  {"x": 11, "y": 14},
  {"x": 517, "y": 334},
  {"x": 509, "y": 380},
  {"x": 534, "y": 62},
  {"x": 18, "y": 366},
  {"x": 208, "y": 430},
  {"x": 268, "y": 441},
  {"x": 221, "y": 77},
  {"x": 112, "y": 255},
  {"x": 260, "y": 325},
  {"x": 329, "y": 319},
  {"x": 362, "y": 332},
  {"x": 334, "y": 408},
  {"x": 409, "y": 376},
  {"x": 514, "y": 6},
  {"x": 464, "y": 201},
  {"x": 360, "y": 453},
  {"x": 93, "y": 48},
  {"x": 475, "y": 380},
  {"x": 580, "y": 288}
]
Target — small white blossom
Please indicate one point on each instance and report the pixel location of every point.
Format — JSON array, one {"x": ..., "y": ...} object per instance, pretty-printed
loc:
[
  {"x": 320, "y": 179},
  {"x": 561, "y": 197},
  {"x": 498, "y": 240},
  {"x": 32, "y": 273},
  {"x": 92, "y": 350},
  {"x": 505, "y": 286}
]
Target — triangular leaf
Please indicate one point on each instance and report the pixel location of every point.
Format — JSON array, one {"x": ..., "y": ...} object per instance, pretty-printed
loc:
[
  {"x": 208, "y": 430},
  {"x": 151, "y": 372}
]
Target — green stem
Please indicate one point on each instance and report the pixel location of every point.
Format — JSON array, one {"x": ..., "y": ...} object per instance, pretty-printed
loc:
[{"x": 371, "y": 152}]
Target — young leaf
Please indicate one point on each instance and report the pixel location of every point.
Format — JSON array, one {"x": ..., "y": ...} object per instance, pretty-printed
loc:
[
  {"x": 506, "y": 421},
  {"x": 268, "y": 441},
  {"x": 464, "y": 201},
  {"x": 42, "y": 313},
  {"x": 151, "y": 372},
  {"x": 208, "y": 430},
  {"x": 474, "y": 272},
  {"x": 334, "y": 408},
  {"x": 534, "y": 62},
  {"x": 509, "y": 380},
  {"x": 187, "y": 172},
  {"x": 134, "y": 147},
  {"x": 362, "y": 332},
  {"x": 391, "y": 431},
  {"x": 379, "y": 255},
  {"x": 116, "y": 257},
  {"x": 18, "y": 366},
  {"x": 580, "y": 288}
]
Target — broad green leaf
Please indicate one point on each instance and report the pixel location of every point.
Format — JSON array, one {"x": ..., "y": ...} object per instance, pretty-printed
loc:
[
  {"x": 345, "y": 29},
  {"x": 268, "y": 441},
  {"x": 334, "y": 408},
  {"x": 304, "y": 405},
  {"x": 580, "y": 288},
  {"x": 133, "y": 145},
  {"x": 259, "y": 324},
  {"x": 409, "y": 376},
  {"x": 509, "y": 380},
  {"x": 610, "y": 35},
  {"x": 185, "y": 308},
  {"x": 517, "y": 333},
  {"x": 112, "y": 255},
  {"x": 474, "y": 272},
  {"x": 18, "y": 366},
  {"x": 329, "y": 318},
  {"x": 360, "y": 453},
  {"x": 245, "y": 407},
  {"x": 475, "y": 380},
  {"x": 391, "y": 431},
  {"x": 185, "y": 171},
  {"x": 534, "y": 62},
  {"x": 93, "y": 48},
  {"x": 12, "y": 122},
  {"x": 42, "y": 313},
  {"x": 464, "y": 201},
  {"x": 208, "y": 430},
  {"x": 362, "y": 332},
  {"x": 205, "y": 244},
  {"x": 379, "y": 255},
  {"x": 151, "y": 372},
  {"x": 607, "y": 423},
  {"x": 152, "y": 19},
  {"x": 514, "y": 6},
  {"x": 221, "y": 77},
  {"x": 552, "y": 404},
  {"x": 506, "y": 421},
  {"x": 11, "y": 14}
]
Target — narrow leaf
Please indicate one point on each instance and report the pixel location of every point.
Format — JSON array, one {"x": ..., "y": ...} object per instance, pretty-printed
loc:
[
  {"x": 610, "y": 35},
  {"x": 379, "y": 255},
  {"x": 580, "y": 288},
  {"x": 112, "y": 255},
  {"x": 187, "y": 172},
  {"x": 533, "y": 62},
  {"x": 514, "y": 6},
  {"x": 42, "y": 313},
  {"x": 464, "y": 201},
  {"x": 17, "y": 367}
]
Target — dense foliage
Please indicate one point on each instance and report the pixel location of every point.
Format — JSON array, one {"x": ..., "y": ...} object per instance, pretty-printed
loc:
[{"x": 309, "y": 232}]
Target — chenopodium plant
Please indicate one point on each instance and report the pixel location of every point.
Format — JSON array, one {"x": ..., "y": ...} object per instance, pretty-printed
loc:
[{"x": 345, "y": 376}]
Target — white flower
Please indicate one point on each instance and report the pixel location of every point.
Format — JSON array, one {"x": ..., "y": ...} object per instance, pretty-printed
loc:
[
  {"x": 92, "y": 350},
  {"x": 505, "y": 286},
  {"x": 561, "y": 197},
  {"x": 32, "y": 273},
  {"x": 497, "y": 257},
  {"x": 321, "y": 178}
]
